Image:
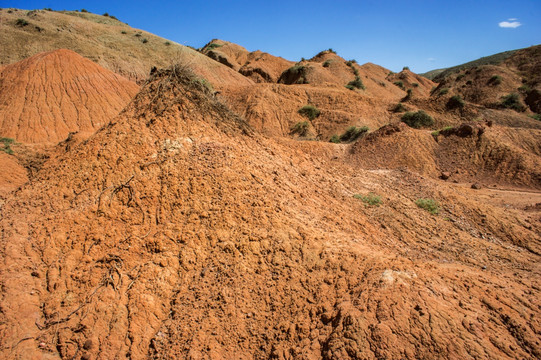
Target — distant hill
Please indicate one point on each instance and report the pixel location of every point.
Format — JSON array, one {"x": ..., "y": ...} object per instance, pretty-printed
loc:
[
  {"x": 439, "y": 74},
  {"x": 105, "y": 40}
]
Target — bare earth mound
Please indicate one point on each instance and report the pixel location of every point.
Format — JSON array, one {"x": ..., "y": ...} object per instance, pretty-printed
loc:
[
  {"x": 177, "y": 232},
  {"x": 49, "y": 95}
]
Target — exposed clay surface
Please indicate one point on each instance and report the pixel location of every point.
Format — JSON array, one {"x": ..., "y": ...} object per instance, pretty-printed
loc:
[
  {"x": 178, "y": 232},
  {"x": 49, "y": 95}
]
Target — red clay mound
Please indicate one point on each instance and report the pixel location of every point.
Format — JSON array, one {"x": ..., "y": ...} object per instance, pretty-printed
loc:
[
  {"x": 257, "y": 65},
  {"x": 468, "y": 153},
  {"x": 177, "y": 232},
  {"x": 47, "y": 96}
]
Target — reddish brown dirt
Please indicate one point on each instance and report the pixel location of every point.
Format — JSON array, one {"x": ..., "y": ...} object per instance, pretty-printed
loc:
[
  {"x": 256, "y": 65},
  {"x": 178, "y": 232},
  {"x": 499, "y": 155},
  {"x": 49, "y": 95},
  {"x": 13, "y": 174}
]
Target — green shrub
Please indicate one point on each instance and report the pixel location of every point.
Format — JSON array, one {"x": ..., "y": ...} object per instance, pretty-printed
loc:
[
  {"x": 406, "y": 68},
  {"x": 301, "y": 128},
  {"x": 352, "y": 133},
  {"x": 455, "y": 102},
  {"x": 6, "y": 145},
  {"x": 351, "y": 62},
  {"x": 21, "y": 22},
  {"x": 327, "y": 63},
  {"x": 418, "y": 119},
  {"x": 167, "y": 43},
  {"x": 429, "y": 205},
  {"x": 355, "y": 84},
  {"x": 524, "y": 89},
  {"x": 512, "y": 101},
  {"x": 399, "y": 108},
  {"x": 415, "y": 85},
  {"x": 535, "y": 116},
  {"x": 460, "y": 77},
  {"x": 495, "y": 80},
  {"x": 144, "y": 41},
  {"x": 84, "y": 10},
  {"x": 213, "y": 46},
  {"x": 444, "y": 91},
  {"x": 106, "y": 14},
  {"x": 124, "y": 32},
  {"x": 370, "y": 200},
  {"x": 294, "y": 75},
  {"x": 400, "y": 84},
  {"x": 409, "y": 95},
  {"x": 335, "y": 139},
  {"x": 309, "y": 111},
  {"x": 138, "y": 35}
]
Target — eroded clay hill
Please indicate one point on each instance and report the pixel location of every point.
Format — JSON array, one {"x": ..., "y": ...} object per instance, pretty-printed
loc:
[
  {"x": 492, "y": 85},
  {"x": 325, "y": 82},
  {"x": 49, "y": 95},
  {"x": 256, "y": 65},
  {"x": 178, "y": 232}
]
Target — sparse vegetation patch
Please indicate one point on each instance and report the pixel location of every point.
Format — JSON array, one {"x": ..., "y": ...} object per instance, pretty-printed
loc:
[
  {"x": 309, "y": 111},
  {"x": 335, "y": 139},
  {"x": 443, "y": 91},
  {"x": 301, "y": 128},
  {"x": 352, "y": 133},
  {"x": 5, "y": 145},
  {"x": 399, "y": 108},
  {"x": 495, "y": 80},
  {"x": 512, "y": 101},
  {"x": 400, "y": 84},
  {"x": 418, "y": 119},
  {"x": 455, "y": 102},
  {"x": 370, "y": 199},
  {"x": 356, "y": 84},
  {"x": 429, "y": 205},
  {"x": 21, "y": 22}
]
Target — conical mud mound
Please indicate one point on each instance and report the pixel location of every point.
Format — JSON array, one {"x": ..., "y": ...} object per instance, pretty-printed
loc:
[{"x": 49, "y": 95}]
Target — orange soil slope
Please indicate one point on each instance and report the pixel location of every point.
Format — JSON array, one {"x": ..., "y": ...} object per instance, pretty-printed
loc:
[
  {"x": 13, "y": 174},
  {"x": 47, "y": 96},
  {"x": 497, "y": 155},
  {"x": 256, "y": 65},
  {"x": 177, "y": 232},
  {"x": 488, "y": 84},
  {"x": 273, "y": 108}
]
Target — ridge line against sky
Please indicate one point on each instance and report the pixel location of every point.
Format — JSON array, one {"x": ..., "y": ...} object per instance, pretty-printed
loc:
[{"x": 421, "y": 34}]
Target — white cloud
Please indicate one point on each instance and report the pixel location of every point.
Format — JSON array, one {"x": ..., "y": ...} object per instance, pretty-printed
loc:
[
  {"x": 510, "y": 24},
  {"x": 431, "y": 59}
]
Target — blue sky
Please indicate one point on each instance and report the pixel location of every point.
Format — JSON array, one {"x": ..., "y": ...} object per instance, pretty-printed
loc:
[{"x": 421, "y": 34}]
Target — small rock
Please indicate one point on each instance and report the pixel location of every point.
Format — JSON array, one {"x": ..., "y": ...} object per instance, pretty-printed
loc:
[
  {"x": 35, "y": 274},
  {"x": 87, "y": 345},
  {"x": 42, "y": 345},
  {"x": 86, "y": 356},
  {"x": 476, "y": 186},
  {"x": 445, "y": 175}
]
